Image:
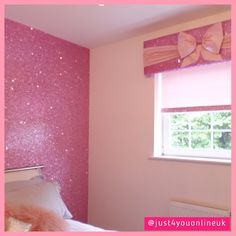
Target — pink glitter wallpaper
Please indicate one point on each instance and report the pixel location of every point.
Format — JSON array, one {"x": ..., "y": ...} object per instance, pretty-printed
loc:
[
  {"x": 46, "y": 109},
  {"x": 172, "y": 39}
]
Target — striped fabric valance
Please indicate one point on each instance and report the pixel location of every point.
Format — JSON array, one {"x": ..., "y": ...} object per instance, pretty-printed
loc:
[{"x": 199, "y": 46}]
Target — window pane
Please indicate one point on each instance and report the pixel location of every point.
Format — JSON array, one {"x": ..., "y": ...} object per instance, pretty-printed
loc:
[
  {"x": 179, "y": 122},
  {"x": 200, "y": 121},
  {"x": 180, "y": 139},
  {"x": 222, "y": 120},
  {"x": 200, "y": 140},
  {"x": 222, "y": 140}
]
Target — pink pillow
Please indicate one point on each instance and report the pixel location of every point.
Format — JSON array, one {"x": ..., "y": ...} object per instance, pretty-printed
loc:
[{"x": 40, "y": 219}]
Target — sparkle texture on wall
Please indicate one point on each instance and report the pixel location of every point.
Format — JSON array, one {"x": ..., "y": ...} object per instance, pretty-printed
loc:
[{"x": 46, "y": 109}]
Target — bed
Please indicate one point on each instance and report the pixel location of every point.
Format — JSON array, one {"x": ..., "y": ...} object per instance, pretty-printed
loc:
[{"x": 34, "y": 204}]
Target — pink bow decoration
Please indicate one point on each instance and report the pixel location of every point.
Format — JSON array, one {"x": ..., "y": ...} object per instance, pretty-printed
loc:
[{"x": 209, "y": 48}]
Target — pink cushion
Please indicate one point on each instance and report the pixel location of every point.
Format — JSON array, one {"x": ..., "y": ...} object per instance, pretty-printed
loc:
[
  {"x": 14, "y": 225},
  {"x": 40, "y": 219}
]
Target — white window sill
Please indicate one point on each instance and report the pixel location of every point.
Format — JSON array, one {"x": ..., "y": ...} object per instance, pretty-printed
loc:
[{"x": 191, "y": 159}]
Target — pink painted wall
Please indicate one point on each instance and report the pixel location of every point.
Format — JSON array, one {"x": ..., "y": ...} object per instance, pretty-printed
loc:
[
  {"x": 46, "y": 99},
  {"x": 121, "y": 137}
]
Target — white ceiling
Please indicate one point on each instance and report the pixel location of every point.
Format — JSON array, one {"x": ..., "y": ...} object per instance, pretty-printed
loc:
[{"x": 93, "y": 25}]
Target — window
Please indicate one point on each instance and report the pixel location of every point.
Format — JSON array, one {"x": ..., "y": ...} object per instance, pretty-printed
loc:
[
  {"x": 193, "y": 113},
  {"x": 198, "y": 133}
]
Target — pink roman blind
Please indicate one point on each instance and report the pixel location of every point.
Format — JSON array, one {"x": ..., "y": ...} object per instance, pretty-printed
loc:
[
  {"x": 197, "y": 88},
  {"x": 198, "y": 46}
]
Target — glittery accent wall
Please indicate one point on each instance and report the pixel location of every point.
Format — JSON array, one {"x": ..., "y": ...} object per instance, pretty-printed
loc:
[{"x": 46, "y": 105}]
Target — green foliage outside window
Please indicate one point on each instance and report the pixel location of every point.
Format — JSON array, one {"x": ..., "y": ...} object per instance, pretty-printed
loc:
[{"x": 201, "y": 130}]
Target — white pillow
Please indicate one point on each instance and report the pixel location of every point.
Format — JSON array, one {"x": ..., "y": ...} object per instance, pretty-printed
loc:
[
  {"x": 19, "y": 184},
  {"x": 45, "y": 195}
]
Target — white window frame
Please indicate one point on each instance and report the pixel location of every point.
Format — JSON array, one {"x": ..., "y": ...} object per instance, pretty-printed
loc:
[
  {"x": 161, "y": 124},
  {"x": 168, "y": 150}
]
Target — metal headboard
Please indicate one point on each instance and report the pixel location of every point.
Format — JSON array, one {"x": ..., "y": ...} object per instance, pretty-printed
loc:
[{"x": 23, "y": 168}]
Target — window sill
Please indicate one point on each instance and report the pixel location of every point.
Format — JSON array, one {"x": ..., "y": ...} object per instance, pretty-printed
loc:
[{"x": 191, "y": 159}]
